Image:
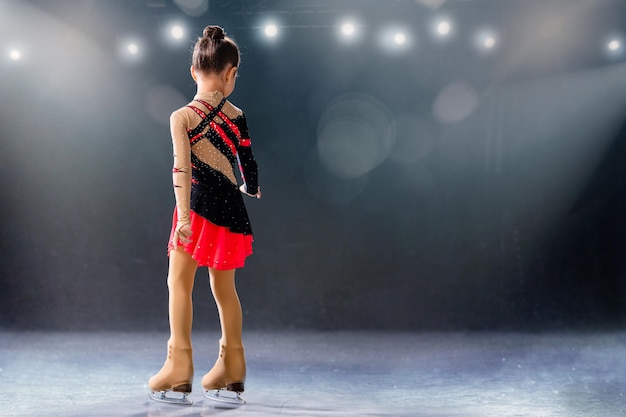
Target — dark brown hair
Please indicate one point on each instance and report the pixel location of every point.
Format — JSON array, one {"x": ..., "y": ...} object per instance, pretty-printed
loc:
[{"x": 214, "y": 51}]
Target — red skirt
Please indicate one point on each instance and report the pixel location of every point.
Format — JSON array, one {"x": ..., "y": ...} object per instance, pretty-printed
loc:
[{"x": 213, "y": 246}]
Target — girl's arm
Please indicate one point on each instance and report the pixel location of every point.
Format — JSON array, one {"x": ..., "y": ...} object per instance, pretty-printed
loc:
[
  {"x": 181, "y": 175},
  {"x": 249, "y": 167}
]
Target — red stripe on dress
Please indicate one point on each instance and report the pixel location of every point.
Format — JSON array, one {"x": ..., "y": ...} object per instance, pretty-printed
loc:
[
  {"x": 207, "y": 105},
  {"x": 245, "y": 142},
  {"x": 198, "y": 111},
  {"x": 224, "y": 137},
  {"x": 195, "y": 138},
  {"x": 230, "y": 124}
]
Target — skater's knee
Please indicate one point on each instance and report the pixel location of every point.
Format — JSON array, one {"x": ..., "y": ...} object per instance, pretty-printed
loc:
[{"x": 179, "y": 282}]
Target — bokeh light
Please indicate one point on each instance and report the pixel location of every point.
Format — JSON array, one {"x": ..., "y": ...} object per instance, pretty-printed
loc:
[
  {"x": 399, "y": 38},
  {"x": 15, "y": 55},
  {"x": 614, "y": 45},
  {"x": 348, "y": 29},
  {"x": 177, "y": 32},
  {"x": 395, "y": 39},
  {"x": 270, "y": 30},
  {"x": 354, "y": 135},
  {"x": 455, "y": 102},
  {"x": 444, "y": 28},
  {"x": 486, "y": 40},
  {"x": 193, "y": 8},
  {"x": 132, "y": 48}
]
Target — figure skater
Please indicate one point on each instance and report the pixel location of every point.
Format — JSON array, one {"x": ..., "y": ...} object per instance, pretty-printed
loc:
[{"x": 210, "y": 226}]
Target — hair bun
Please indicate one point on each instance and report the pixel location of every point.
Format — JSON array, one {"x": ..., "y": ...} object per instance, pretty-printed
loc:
[{"x": 213, "y": 32}]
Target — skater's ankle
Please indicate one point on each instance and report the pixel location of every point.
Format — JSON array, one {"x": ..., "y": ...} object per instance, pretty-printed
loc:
[
  {"x": 183, "y": 345},
  {"x": 231, "y": 347},
  {"x": 230, "y": 344}
]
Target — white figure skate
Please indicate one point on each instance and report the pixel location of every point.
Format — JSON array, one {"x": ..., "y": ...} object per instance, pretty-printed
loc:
[
  {"x": 162, "y": 397},
  {"x": 225, "y": 396}
]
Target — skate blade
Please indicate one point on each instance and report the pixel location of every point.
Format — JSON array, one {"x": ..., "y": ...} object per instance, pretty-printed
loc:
[
  {"x": 231, "y": 400},
  {"x": 162, "y": 398}
]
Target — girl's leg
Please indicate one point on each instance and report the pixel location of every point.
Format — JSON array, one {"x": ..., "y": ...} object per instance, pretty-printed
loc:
[
  {"x": 177, "y": 371},
  {"x": 229, "y": 371},
  {"x": 228, "y": 306},
  {"x": 180, "y": 280}
]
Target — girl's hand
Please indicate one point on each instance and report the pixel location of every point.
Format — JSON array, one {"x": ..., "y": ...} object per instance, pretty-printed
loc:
[
  {"x": 243, "y": 190},
  {"x": 182, "y": 233}
]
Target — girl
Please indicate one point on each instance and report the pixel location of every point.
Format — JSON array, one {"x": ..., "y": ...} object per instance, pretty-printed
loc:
[{"x": 210, "y": 225}]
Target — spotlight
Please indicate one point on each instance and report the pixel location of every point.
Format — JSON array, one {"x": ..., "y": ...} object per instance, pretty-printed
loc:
[
  {"x": 349, "y": 31},
  {"x": 271, "y": 30},
  {"x": 443, "y": 28},
  {"x": 614, "y": 45},
  {"x": 348, "y": 28},
  {"x": 489, "y": 42},
  {"x": 177, "y": 32},
  {"x": 132, "y": 48},
  {"x": 399, "y": 38},
  {"x": 396, "y": 39},
  {"x": 15, "y": 55},
  {"x": 486, "y": 40}
]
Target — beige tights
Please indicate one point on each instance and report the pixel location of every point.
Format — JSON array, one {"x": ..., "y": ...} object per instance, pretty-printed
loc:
[
  {"x": 178, "y": 368},
  {"x": 180, "y": 281},
  {"x": 177, "y": 371},
  {"x": 228, "y": 306}
]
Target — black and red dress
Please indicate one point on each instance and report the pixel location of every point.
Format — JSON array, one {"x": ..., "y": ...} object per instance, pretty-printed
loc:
[{"x": 218, "y": 146}]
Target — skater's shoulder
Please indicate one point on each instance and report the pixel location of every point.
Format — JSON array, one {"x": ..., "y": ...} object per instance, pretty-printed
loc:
[
  {"x": 231, "y": 110},
  {"x": 182, "y": 113}
]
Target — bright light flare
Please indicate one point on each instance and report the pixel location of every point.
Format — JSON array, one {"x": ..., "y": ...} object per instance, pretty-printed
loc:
[
  {"x": 271, "y": 30},
  {"x": 396, "y": 39},
  {"x": 444, "y": 28},
  {"x": 486, "y": 40},
  {"x": 132, "y": 48},
  {"x": 348, "y": 29},
  {"x": 399, "y": 38},
  {"x": 489, "y": 42},
  {"x": 614, "y": 45},
  {"x": 15, "y": 55},
  {"x": 177, "y": 32}
]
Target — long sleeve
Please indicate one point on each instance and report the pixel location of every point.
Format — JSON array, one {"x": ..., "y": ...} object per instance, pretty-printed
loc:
[
  {"x": 181, "y": 171},
  {"x": 248, "y": 163}
]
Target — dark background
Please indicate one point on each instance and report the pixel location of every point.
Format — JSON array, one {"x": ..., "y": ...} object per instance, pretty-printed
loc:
[{"x": 435, "y": 188}]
